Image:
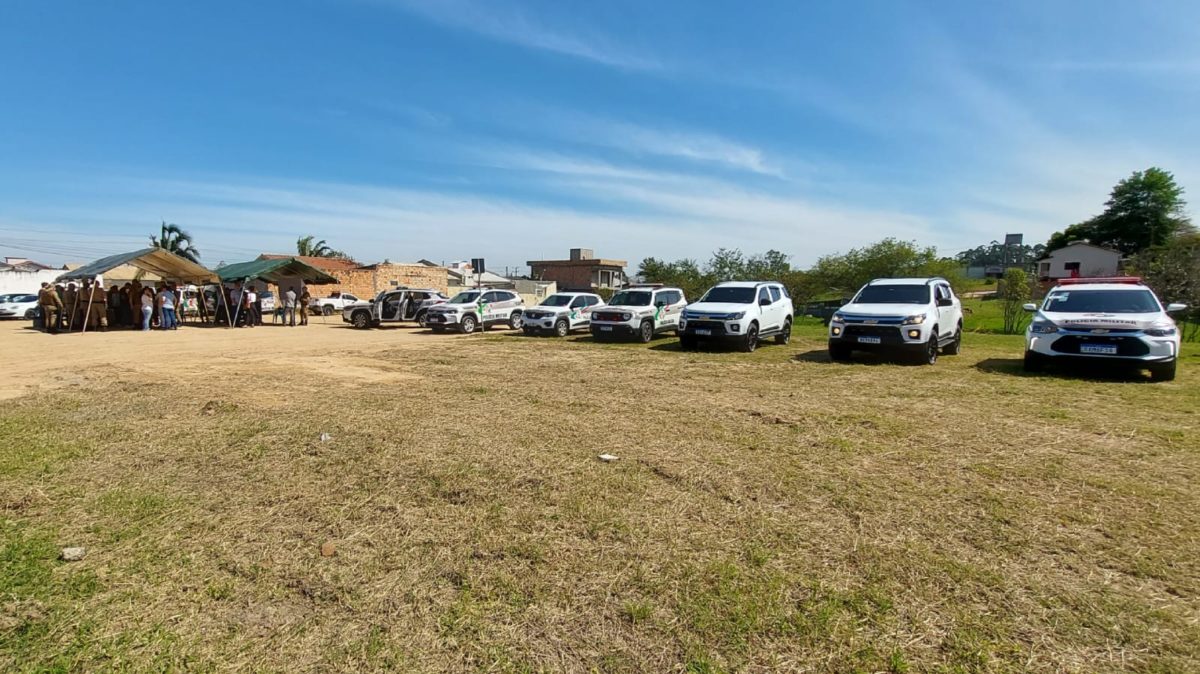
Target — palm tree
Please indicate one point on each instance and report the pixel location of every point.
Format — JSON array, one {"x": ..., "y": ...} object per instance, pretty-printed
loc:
[
  {"x": 307, "y": 247},
  {"x": 175, "y": 239}
]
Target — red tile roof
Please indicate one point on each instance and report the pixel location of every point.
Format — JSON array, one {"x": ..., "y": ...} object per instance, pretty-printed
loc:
[{"x": 322, "y": 263}]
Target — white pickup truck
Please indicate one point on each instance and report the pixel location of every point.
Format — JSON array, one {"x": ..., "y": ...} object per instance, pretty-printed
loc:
[{"x": 331, "y": 305}]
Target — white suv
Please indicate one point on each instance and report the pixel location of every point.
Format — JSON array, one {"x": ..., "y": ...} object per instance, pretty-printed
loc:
[
  {"x": 473, "y": 309},
  {"x": 917, "y": 316},
  {"x": 561, "y": 313},
  {"x": 640, "y": 311},
  {"x": 742, "y": 311},
  {"x": 1118, "y": 320}
]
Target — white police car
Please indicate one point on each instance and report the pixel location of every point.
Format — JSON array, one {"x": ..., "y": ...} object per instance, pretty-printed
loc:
[
  {"x": 561, "y": 313},
  {"x": 1117, "y": 320}
]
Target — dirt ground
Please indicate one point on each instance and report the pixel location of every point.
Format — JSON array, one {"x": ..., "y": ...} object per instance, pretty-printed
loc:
[
  {"x": 36, "y": 362},
  {"x": 325, "y": 499}
]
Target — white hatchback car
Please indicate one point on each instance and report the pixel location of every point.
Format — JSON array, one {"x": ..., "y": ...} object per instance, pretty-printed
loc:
[
  {"x": 1116, "y": 320},
  {"x": 561, "y": 313}
]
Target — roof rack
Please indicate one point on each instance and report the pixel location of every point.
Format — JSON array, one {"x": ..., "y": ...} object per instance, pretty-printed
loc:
[{"x": 1132, "y": 280}]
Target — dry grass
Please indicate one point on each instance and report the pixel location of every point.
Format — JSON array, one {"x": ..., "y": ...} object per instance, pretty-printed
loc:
[{"x": 769, "y": 512}]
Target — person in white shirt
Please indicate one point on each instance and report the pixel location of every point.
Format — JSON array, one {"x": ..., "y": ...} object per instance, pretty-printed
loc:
[
  {"x": 289, "y": 307},
  {"x": 255, "y": 316}
]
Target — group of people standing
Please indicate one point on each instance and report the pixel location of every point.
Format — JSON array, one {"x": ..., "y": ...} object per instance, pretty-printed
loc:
[{"x": 88, "y": 306}]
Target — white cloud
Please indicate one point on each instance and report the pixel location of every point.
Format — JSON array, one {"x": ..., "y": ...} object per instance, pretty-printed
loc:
[{"x": 515, "y": 27}]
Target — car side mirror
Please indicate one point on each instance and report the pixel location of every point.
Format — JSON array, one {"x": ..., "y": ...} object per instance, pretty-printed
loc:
[
  {"x": 1176, "y": 306},
  {"x": 945, "y": 302},
  {"x": 764, "y": 301},
  {"x": 1029, "y": 306}
]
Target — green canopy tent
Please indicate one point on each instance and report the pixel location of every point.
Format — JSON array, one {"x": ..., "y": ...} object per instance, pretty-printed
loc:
[
  {"x": 166, "y": 265},
  {"x": 278, "y": 271}
]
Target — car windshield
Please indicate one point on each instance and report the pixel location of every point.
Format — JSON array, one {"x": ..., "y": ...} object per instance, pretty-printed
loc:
[
  {"x": 557, "y": 301},
  {"x": 631, "y": 298},
  {"x": 899, "y": 293},
  {"x": 467, "y": 297},
  {"x": 1101, "y": 302},
  {"x": 730, "y": 295}
]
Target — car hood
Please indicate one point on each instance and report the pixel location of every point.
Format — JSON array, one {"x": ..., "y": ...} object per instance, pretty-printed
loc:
[
  {"x": 854, "y": 309},
  {"x": 718, "y": 307},
  {"x": 549, "y": 310},
  {"x": 624, "y": 307},
  {"x": 1102, "y": 320}
]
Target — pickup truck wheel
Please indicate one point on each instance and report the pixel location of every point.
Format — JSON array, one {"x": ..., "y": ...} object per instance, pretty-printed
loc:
[
  {"x": 361, "y": 320},
  {"x": 467, "y": 326},
  {"x": 785, "y": 336},
  {"x": 646, "y": 332},
  {"x": 562, "y": 328},
  {"x": 1163, "y": 371},
  {"x": 327, "y": 310},
  {"x": 954, "y": 348},
  {"x": 750, "y": 341},
  {"x": 423, "y": 319},
  {"x": 515, "y": 321},
  {"x": 929, "y": 355}
]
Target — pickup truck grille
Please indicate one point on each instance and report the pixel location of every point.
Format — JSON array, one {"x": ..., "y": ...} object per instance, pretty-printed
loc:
[
  {"x": 606, "y": 316},
  {"x": 886, "y": 335}
]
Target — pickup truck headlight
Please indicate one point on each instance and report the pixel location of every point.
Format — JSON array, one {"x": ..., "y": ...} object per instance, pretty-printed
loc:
[
  {"x": 735, "y": 317},
  {"x": 913, "y": 320},
  {"x": 838, "y": 318},
  {"x": 1043, "y": 327},
  {"x": 1160, "y": 330}
]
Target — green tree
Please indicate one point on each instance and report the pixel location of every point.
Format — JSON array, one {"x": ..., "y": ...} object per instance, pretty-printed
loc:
[
  {"x": 1144, "y": 210},
  {"x": 1015, "y": 292},
  {"x": 1173, "y": 271},
  {"x": 173, "y": 238},
  {"x": 889, "y": 258},
  {"x": 308, "y": 246}
]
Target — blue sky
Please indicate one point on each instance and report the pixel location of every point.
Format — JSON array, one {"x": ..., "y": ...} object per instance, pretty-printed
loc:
[{"x": 408, "y": 129}]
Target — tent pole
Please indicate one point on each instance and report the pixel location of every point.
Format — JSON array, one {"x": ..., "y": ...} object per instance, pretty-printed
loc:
[
  {"x": 71, "y": 318},
  {"x": 241, "y": 296},
  {"x": 225, "y": 301},
  {"x": 88, "y": 313}
]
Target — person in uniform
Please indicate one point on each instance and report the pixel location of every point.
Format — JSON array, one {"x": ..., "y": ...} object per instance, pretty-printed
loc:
[
  {"x": 98, "y": 313},
  {"x": 305, "y": 298},
  {"x": 70, "y": 306},
  {"x": 51, "y": 306}
]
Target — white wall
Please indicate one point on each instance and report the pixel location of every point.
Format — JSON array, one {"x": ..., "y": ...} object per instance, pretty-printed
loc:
[
  {"x": 13, "y": 281},
  {"x": 1092, "y": 262}
]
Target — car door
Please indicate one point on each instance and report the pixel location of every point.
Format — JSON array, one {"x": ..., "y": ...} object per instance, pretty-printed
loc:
[
  {"x": 668, "y": 314},
  {"x": 390, "y": 311},
  {"x": 947, "y": 321},
  {"x": 488, "y": 305},
  {"x": 766, "y": 315},
  {"x": 578, "y": 314}
]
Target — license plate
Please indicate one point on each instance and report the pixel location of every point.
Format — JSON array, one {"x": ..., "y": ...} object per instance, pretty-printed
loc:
[
  {"x": 1099, "y": 349},
  {"x": 869, "y": 340},
  {"x": 704, "y": 332},
  {"x": 606, "y": 328}
]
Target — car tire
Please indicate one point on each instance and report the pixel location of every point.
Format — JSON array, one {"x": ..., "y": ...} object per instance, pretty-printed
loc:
[
  {"x": 1034, "y": 362},
  {"x": 646, "y": 331},
  {"x": 839, "y": 353},
  {"x": 929, "y": 354},
  {"x": 467, "y": 325},
  {"x": 1163, "y": 371},
  {"x": 514, "y": 321},
  {"x": 785, "y": 337},
  {"x": 361, "y": 320},
  {"x": 423, "y": 319},
  {"x": 750, "y": 341},
  {"x": 327, "y": 310},
  {"x": 954, "y": 348},
  {"x": 562, "y": 328}
]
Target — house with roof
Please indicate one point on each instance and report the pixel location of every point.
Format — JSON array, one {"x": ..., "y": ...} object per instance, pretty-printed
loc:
[
  {"x": 582, "y": 271},
  {"x": 368, "y": 280},
  {"x": 1079, "y": 259}
]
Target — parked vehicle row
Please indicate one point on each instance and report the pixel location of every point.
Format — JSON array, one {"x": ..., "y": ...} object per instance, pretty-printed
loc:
[{"x": 1116, "y": 320}]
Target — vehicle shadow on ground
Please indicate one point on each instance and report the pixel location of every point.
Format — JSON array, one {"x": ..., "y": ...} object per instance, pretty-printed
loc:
[
  {"x": 822, "y": 356},
  {"x": 1014, "y": 367}
]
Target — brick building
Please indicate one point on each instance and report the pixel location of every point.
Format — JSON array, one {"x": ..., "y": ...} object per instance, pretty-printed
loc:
[
  {"x": 369, "y": 280},
  {"x": 582, "y": 272}
]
